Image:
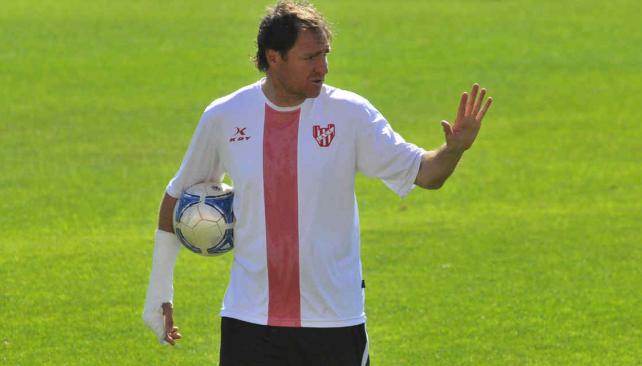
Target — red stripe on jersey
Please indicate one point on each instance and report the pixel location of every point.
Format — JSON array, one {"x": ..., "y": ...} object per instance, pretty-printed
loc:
[{"x": 280, "y": 190}]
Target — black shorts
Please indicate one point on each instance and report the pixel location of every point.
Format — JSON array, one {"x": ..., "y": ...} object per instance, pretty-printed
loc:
[{"x": 248, "y": 344}]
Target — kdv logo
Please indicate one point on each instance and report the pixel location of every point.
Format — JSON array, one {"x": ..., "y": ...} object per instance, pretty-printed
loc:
[{"x": 239, "y": 134}]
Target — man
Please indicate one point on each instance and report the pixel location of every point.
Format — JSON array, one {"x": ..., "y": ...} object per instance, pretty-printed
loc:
[{"x": 292, "y": 145}]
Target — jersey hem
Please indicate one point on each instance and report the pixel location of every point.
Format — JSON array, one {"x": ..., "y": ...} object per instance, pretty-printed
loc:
[{"x": 304, "y": 323}]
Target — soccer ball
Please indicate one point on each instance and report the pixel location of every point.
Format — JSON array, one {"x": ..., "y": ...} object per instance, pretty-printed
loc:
[{"x": 203, "y": 218}]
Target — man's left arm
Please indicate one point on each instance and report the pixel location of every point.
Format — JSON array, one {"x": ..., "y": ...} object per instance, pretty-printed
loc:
[{"x": 437, "y": 165}]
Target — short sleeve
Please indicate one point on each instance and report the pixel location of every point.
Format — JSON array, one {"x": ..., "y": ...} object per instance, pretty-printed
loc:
[
  {"x": 384, "y": 154},
  {"x": 202, "y": 161}
]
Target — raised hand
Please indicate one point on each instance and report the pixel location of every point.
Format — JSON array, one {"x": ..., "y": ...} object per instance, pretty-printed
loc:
[{"x": 461, "y": 136}]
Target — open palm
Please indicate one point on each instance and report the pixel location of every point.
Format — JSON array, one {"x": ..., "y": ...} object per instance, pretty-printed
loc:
[{"x": 463, "y": 133}]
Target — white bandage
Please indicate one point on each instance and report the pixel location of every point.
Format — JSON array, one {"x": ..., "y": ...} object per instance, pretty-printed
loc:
[{"x": 161, "y": 289}]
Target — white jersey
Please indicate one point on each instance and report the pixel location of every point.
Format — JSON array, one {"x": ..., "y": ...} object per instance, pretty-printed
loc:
[{"x": 296, "y": 256}]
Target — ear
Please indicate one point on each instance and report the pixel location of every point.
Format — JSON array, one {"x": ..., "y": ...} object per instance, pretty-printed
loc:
[{"x": 272, "y": 56}]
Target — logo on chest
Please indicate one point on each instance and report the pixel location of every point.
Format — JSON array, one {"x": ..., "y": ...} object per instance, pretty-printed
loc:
[
  {"x": 323, "y": 135},
  {"x": 239, "y": 134}
]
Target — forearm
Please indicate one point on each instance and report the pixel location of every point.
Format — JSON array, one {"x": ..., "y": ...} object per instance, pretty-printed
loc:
[
  {"x": 436, "y": 166},
  {"x": 160, "y": 291},
  {"x": 166, "y": 213}
]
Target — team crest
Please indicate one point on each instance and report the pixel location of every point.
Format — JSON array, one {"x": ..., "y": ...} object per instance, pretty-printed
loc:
[{"x": 323, "y": 135}]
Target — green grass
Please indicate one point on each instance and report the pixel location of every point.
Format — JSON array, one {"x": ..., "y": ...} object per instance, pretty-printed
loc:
[{"x": 530, "y": 255}]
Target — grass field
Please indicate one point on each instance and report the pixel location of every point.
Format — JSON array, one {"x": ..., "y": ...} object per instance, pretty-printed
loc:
[{"x": 530, "y": 255}]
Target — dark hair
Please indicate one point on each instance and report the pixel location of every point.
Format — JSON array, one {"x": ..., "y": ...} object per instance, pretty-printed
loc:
[{"x": 281, "y": 25}]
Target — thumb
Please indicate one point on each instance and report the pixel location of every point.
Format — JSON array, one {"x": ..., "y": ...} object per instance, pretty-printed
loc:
[{"x": 448, "y": 130}]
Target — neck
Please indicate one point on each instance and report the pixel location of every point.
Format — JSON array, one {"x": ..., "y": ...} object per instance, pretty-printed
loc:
[{"x": 278, "y": 95}]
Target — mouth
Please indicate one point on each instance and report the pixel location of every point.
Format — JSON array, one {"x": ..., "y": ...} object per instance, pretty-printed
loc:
[{"x": 317, "y": 82}]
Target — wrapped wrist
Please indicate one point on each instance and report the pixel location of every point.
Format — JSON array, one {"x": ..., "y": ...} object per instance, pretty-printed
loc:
[{"x": 166, "y": 249}]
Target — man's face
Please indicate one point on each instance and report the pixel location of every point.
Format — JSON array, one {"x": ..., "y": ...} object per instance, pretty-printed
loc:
[{"x": 301, "y": 73}]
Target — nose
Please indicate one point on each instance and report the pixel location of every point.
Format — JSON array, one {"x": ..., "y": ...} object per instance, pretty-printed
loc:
[{"x": 322, "y": 65}]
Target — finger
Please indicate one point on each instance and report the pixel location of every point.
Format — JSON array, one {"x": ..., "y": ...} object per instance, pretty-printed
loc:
[
  {"x": 174, "y": 336},
  {"x": 478, "y": 102},
  {"x": 447, "y": 128},
  {"x": 462, "y": 107},
  {"x": 471, "y": 100},
  {"x": 482, "y": 113},
  {"x": 169, "y": 339}
]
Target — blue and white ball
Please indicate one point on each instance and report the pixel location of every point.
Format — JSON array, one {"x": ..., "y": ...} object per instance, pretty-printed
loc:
[{"x": 204, "y": 220}]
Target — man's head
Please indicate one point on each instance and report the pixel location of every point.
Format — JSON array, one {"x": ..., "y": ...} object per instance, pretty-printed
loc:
[
  {"x": 292, "y": 43},
  {"x": 281, "y": 26}
]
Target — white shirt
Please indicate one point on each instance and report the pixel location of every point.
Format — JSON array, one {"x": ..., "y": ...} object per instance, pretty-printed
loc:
[{"x": 297, "y": 252}]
